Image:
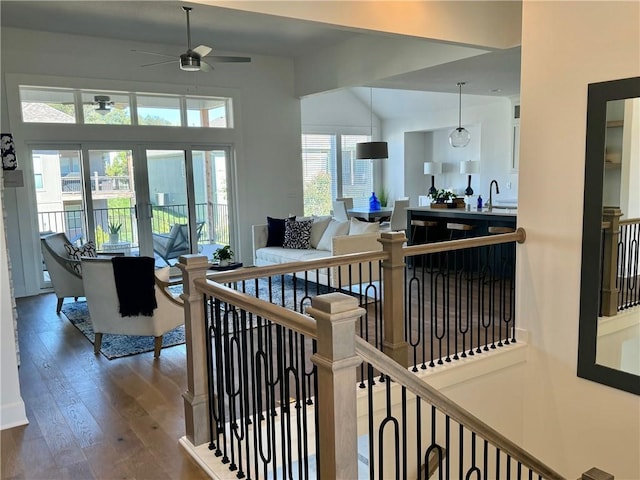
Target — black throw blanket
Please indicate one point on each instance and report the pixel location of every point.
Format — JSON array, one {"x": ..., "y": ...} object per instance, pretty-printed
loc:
[{"x": 135, "y": 280}]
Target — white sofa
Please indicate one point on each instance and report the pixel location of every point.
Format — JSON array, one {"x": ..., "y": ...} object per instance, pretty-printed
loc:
[{"x": 340, "y": 245}]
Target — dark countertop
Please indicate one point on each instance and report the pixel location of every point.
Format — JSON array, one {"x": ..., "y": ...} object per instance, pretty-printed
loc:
[{"x": 509, "y": 214}]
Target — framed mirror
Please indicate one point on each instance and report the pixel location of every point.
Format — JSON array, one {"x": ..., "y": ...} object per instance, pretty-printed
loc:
[{"x": 611, "y": 165}]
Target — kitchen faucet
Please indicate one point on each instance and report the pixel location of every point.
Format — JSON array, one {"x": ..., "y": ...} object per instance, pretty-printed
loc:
[{"x": 490, "y": 204}]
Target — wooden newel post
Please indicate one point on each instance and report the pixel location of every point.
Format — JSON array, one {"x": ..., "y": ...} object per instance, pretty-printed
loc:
[
  {"x": 611, "y": 224},
  {"x": 336, "y": 315},
  {"x": 394, "y": 343},
  {"x": 196, "y": 405}
]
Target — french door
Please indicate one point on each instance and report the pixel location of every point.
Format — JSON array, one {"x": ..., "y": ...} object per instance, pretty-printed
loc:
[{"x": 137, "y": 200}]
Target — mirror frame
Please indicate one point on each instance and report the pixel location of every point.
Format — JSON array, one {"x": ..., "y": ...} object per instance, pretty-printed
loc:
[{"x": 597, "y": 97}]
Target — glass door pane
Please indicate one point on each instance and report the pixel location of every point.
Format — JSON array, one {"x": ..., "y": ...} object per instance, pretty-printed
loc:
[
  {"x": 59, "y": 194},
  {"x": 169, "y": 205},
  {"x": 113, "y": 201},
  {"x": 211, "y": 188}
]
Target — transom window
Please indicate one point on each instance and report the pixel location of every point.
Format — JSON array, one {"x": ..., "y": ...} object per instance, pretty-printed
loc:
[{"x": 77, "y": 106}]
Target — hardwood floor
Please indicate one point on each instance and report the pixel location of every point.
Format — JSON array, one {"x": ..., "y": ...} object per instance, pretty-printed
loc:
[{"x": 89, "y": 417}]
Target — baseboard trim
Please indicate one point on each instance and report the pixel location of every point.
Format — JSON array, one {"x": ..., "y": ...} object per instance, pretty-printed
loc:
[{"x": 13, "y": 415}]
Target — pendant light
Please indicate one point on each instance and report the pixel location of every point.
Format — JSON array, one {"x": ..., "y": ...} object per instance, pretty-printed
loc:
[
  {"x": 371, "y": 150},
  {"x": 460, "y": 137}
]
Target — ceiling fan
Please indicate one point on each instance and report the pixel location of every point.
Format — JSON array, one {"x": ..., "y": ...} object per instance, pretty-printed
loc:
[
  {"x": 193, "y": 59},
  {"x": 103, "y": 104}
]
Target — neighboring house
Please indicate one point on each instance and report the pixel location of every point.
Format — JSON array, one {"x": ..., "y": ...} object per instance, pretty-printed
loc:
[{"x": 571, "y": 423}]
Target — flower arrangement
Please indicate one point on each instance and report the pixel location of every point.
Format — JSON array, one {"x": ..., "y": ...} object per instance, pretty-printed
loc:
[
  {"x": 444, "y": 195},
  {"x": 223, "y": 255}
]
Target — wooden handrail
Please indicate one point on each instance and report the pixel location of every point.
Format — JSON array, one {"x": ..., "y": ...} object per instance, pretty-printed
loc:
[
  {"x": 426, "y": 392},
  {"x": 629, "y": 221},
  {"x": 289, "y": 267},
  {"x": 518, "y": 236},
  {"x": 373, "y": 256},
  {"x": 281, "y": 315}
]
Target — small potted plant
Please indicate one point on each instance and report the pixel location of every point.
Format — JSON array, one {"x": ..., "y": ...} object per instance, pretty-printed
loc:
[
  {"x": 383, "y": 196},
  {"x": 223, "y": 255},
  {"x": 444, "y": 196},
  {"x": 114, "y": 232}
]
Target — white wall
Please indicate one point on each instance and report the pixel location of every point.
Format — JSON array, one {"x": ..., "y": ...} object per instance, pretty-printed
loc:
[
  {"x": 570, "y": 422},
  {"x": 339, "y": 111},
  {"x": 489, "y": 123},
  {"x": 266, "y": 142}
]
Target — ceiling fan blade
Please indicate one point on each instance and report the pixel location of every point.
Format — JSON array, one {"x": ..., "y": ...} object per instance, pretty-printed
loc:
[
  {"x": 205, "y": 67},
  {"x": 223, "y": 59},
  {"x": 158, "y": 63},
  {"x": 153, "y": 53},
  {"x": 202, "y": 50}
]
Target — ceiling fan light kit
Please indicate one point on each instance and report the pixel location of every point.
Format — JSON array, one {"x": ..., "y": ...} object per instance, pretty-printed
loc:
[
  {"x": 103, "y": 104},
  {"x": 189, "y": 63},
  {"x": 460, "y": 137}
]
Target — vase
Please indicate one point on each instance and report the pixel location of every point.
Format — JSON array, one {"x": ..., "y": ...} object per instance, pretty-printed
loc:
[
  {"x": 114, "y": 237},
  {"x": 224, "y": 263},
  {"x": 374, "y": 203}
]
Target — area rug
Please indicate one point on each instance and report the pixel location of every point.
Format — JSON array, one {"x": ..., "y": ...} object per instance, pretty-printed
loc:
[{"x": 116, "y": 346}]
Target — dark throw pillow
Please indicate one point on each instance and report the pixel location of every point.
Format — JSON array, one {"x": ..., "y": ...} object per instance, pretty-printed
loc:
[
  {"x": 297, "y": 234},
  {"x": 275, "y": 231}
]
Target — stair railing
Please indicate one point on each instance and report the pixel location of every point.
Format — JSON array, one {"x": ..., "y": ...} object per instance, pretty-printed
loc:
[
  {"x": 620, "y": 275},
  {"x": 339, "y": 351},
  {"x": 332, "y": 394}
]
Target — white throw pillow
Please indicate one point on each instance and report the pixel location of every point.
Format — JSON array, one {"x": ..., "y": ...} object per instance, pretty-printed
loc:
[
  {"x": 334, "y": 229},
  {"x": 358, "y": 227},
  {"x": 318, "y": 228}
]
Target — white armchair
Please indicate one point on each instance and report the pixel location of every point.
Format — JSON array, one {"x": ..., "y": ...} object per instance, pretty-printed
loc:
[
  {"x": 66, "y": 281},
  {"x": 102, "y": 300}
]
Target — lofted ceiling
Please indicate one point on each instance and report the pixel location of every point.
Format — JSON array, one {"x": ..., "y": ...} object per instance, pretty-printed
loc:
[{"x": 496, "y": 73}]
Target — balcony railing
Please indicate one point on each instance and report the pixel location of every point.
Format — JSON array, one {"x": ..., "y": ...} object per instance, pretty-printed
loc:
[{"x": 72, "y": 222}]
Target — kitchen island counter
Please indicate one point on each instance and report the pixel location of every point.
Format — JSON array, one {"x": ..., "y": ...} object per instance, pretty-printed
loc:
[{"x": 480, "y": 220}]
